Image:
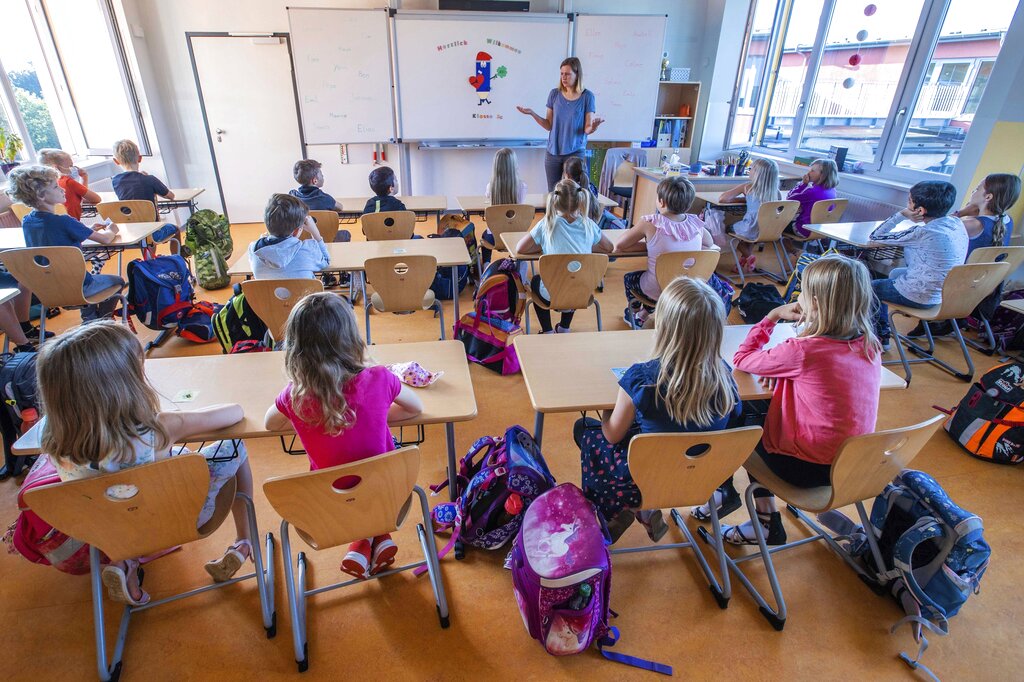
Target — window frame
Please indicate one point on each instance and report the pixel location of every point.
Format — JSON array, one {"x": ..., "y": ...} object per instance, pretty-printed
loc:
[{"x": 908, "y": 90}]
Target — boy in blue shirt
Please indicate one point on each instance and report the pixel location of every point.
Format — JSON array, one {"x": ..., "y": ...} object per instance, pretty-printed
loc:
[
  {"x": 281, "y": 254},
  {"x": 135, "y": 185},
  {"x": 382, "y": 182},
  {"x": 310, "y": 176},
  {"x": 36, "y": 186}
]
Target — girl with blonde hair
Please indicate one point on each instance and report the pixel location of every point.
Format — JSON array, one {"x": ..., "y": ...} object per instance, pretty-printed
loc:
[
  {"x": 102, "y": 416},
  {"x": 763, "y": 186},
  {"x": 686, "y": 386},
  {"x": 825, "y": 385},
  {"x": 339, "y": 403},
  {"x": 505, "y": 187},
  {"x": 565, "y": 228}
]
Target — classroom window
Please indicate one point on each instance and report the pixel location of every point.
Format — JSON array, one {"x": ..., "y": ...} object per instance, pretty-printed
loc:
[{"x": 752, "y": 75}]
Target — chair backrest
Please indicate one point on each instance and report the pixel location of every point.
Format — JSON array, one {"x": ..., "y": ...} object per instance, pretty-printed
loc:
[
  {"x": 683, "y": 469},
  {"x": 966, "y": 285},
  {"x": 136, "y": 511},
  {"x": 55, "y": 274},
  {"x": 501, "y": 218},
  {"x": 135, "y": 211},
  {"x": 773, "y": 217},
  {"x": 828, "y": 210},
  {"x": 326, "y": 222},
  {"x": 331, "y": 507},
  {"x": 1014, "y": 255},
  {"x": 865, "y": 464},
  {"x": 273, "y": 299},
  {"x": 401, "y": 281},
  {"x": 695, "y": 264},
  {"x": 624, "y": 175},
  {"x": 21, "y": 210},
  {"x": 572, "y": 278},
  {"x": 388, "y": 225}
]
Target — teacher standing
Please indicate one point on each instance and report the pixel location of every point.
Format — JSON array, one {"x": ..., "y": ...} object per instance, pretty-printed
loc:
[{"x": 569, "y": 119}]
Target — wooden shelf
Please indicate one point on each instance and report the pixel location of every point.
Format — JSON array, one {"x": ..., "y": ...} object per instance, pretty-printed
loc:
[{"x": 681, "y": 118}]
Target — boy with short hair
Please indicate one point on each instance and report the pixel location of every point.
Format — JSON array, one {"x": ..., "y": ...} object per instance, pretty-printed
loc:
[
  {"x": 310, "y": 176},
  {"x": 931, "y": 247},
  {"x": 282, "y": 255},
  {"x": 134, "y": 185},
  {"x": 75, "y": 190},
  {"x": 383, "y": 182}
]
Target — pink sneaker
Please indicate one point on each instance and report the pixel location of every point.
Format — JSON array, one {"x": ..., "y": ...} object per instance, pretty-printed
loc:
[
  {"x": 384, "y": 551},
  {"x": 357, "y": 562}
]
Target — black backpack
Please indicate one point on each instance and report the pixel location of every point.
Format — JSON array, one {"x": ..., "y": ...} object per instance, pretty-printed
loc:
[
  {"x": 756, "y": 301},
  {"x": 236, "y": 322},
  {"x": 21, "y": 406}
]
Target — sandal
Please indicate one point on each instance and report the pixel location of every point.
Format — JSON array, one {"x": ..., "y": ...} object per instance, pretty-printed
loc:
[
  {"x": 727, "y": 504},
  {"x": 116, "y": 581},
  {"x": 743, "y": 534},
  {"x": 224, "y": 568}
]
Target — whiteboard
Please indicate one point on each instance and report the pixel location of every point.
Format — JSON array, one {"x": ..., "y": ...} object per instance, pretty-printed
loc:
[
  {"x": 436, "y": 57},
  {"x": 621, "y": 56},
  {"x": 342, "y": 60}
]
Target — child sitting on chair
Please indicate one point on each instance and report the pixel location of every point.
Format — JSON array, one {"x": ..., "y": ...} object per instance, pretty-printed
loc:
[
  {"x": 133, "y": 185},
  {"x": 383, "y": 183},
  {"x": 73, "y": 180},
  {"x": 310, "y": 176},
  {"x": 281, "y": 254}
]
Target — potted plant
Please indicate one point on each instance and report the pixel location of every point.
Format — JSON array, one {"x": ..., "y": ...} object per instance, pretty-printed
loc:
[{"x": 11, "y": 145}]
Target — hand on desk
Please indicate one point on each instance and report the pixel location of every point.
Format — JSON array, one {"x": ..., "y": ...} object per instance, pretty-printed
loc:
[{"x": 767, "y": 382}]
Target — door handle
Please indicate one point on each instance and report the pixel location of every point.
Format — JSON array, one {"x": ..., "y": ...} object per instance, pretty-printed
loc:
[{"x": 219, "y": 132}]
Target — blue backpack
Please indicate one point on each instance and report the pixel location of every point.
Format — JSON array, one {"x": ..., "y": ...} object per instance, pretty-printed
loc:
[
  {"x": 442, "y": 284},
  {"x": 160, "y": 291}
]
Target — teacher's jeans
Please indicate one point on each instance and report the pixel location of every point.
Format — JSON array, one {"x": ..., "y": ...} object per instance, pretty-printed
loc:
[{"x": 553, "y": 164}]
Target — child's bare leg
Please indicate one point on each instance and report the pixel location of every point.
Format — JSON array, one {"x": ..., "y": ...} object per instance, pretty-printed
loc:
[{"x": 243, "y": 484}]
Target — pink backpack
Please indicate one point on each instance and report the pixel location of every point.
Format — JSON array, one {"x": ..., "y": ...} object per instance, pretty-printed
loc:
[
  {"x": 562, "y": 575},
  {"x": 489, "y": 330}
]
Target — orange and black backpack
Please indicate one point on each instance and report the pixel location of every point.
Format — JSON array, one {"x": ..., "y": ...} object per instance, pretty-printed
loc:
[{"x": 989, "y": 421}]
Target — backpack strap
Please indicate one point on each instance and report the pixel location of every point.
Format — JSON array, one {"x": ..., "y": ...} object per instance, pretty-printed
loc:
[
  {"x": 609, "y": 640},
  {"x": 456, "y": 533},
  {"x": 925, "y": 529}
]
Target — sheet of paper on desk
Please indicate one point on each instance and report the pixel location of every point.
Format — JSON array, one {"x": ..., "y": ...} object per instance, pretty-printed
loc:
[
  {"x": 186, "y": 395},
  {"x": 618, "y": 372},
  {"x": 779, "y": 334}
]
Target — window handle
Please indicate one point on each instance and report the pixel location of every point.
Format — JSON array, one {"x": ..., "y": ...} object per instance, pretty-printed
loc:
[{"x": 902, "y": 111}]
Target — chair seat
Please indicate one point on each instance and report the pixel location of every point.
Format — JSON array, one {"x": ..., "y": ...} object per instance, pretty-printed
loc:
[
  {"x": 378, "y": 303},
  {"x": 807, "y": 499},
  {"x": 733, "y": 235},
  {"x": 103, "y": 295},
  {"x": 931, "y": 313},
  {"x": 623, "y": 191},
  {"x": 538, "y": 303}
]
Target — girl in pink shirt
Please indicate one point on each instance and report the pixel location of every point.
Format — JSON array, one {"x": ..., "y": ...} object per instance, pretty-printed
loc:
[
  {"x": 339, "y": 404},
  {"x": 826, "y": 383}
]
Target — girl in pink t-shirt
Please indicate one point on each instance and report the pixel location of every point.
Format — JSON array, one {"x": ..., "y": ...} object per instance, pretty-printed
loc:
[
  {"x": 670, "y": 229},
  {"x": 826, "y": 383},
  {"x": 339, "y": 404}
]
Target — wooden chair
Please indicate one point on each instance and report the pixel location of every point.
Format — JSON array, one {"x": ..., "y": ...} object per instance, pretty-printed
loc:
[
  {"x": 136, "y": 211},
  {"x": 21, "y": 210},
  {"x": 401, "y": 284},
  {"x": 501, "y": 218},
  {"x": 822, "y": 212},
  {"x": 684, "y": 470},
  {"x": 963, "y": 290},
  {"x": 622, "y": 183},
  {"x": 571, "y": 280},
  {"x": 1014, "y": 255},
  {"x": 863, "y": 466},
  {"x": 159, "y": 510},
  {"x": 342, "y": 504},
  {"x": 772, "y": 219},
  {"x": 672, "y": 264},
  {"x": 388, "y": 225},
  {"x": 56, "y": 274},
  {"x": 327, "y": 222},
  {"x": 273, "y": 299}
]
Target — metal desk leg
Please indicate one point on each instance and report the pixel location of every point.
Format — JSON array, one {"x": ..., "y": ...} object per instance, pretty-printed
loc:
[
  {"x": 455, "y": 291},
  {"x": 538, "y": 427},
  {"x": 449, "y": 436}
]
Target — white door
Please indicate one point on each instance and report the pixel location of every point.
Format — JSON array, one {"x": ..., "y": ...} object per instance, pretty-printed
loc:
[{"x": 246, "y": 88}]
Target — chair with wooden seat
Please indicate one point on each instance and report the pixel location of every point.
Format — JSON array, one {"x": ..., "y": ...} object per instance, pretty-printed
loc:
[
  {"x": 964, "y": 288},
  {"x": 1014, "y": 255},
  {"x": 501, "y": 218},
  {"x": 862, "y": 468},
  {"x": 401, "y": 284},
  {"x": 135, "y": 211},
  {"x": 388, "y": 225},
  {"x": 327, "y": 223},
  {"x": 822, "y": 212},
  {"x": 684, "y": 470},
  {"x": 273, "y": 299},
  {"x": 672, "y": 264},
  {"x": 56, "y": 274},
  {"x": 622, "y": 184},
  {"x": 335, "y": 506},
  {"x": 21, "y": 210},
  {"x": 143, "y": 511},
  {"x": 571, "y": 280},
  {"x": 772, "y": 219}
]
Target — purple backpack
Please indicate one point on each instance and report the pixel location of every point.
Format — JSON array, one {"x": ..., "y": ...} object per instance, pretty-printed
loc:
[
  {"x": 498, "y": 479},
  {"x": 489, "y": 330},
  {"x": 562, "y": 576}
]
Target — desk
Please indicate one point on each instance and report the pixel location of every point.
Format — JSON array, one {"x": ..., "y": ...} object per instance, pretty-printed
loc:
[
  {"x": 422, "y": 206},
  {"x": 572, "y": 372},
  {"x": 476, "y": 203},
  {"x": 855, "y": 234},
  {"x": 511, "y": 239},
  {"x": 352, "y": 256},
  {"x": 711, "y": 199},
  {"x": 183, "y": 198},
  {"x": 128, "y": 235},
  {"x": 1016, "y": 305},
  {"x": 8, "y": 294},
  {"x": 255, "y": 379}
]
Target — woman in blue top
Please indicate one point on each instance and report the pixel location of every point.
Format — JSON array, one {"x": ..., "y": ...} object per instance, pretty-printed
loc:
[
  {"x": 985, "y": 216},
  {"x": 569, "y": 119}
]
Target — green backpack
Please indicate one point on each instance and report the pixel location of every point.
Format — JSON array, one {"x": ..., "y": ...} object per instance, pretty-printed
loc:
[{"x": 208, "y": 235}]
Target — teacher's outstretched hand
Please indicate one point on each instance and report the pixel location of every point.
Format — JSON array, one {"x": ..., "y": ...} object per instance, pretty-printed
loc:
[{"x": 569, "y": 119}]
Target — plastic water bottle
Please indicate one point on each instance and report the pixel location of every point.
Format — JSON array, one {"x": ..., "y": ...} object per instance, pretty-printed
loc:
[{"x": 581, "y": 598}]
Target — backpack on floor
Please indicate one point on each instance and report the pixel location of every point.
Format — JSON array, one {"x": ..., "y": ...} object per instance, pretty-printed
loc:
[
  {"x": 442, "y": 284},
  {"x": 18, "y": 389},
  {"x": 208, "y": 236},
  {"x": 1007, "y": 325},
  {"x": 196, "y": 325},
  {"x": 467, "y": 230},
  {"x": 498, "y": 479},
  {"x": 724, "y": 289},
  {"x": 159, "y": 291},
  {"x": 756, "y": 301},
  {"x": 236, "y": 322},
  {"x": 793, "y": 285},
  {"x": 35, "y": 539},
  {"x": 989, "y": 421},
  {"x": 489, "y": 330},
  {"x": 562, "y": 577}
]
